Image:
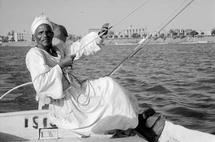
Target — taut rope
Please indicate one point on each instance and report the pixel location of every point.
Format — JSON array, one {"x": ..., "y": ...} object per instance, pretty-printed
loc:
[
  {"x": 25, "y": 84},
  {"x": 138, "y": 47}
]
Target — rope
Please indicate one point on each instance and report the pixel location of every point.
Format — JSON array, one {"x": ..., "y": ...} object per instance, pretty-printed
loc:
[
  {"x": 129, "y": 14},
  {"x": 120, "y": 21},
  {"x": 147, "y": 41},
  {"x": 129, "y": 56},
  {"x": 175, "y": 16},
  {"x": 25, "y": 84},
  {"x": 99, "y": 35},
  {"x": 114, "y": 25}
]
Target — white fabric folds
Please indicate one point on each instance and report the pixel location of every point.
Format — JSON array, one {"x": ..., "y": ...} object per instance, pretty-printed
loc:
[
  {"x": 88, "y": 45},
  {"x": 103, "y": 105}
]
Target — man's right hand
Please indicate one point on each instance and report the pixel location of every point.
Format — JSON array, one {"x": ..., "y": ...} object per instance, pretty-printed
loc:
[{"x": 67, "y": 61}]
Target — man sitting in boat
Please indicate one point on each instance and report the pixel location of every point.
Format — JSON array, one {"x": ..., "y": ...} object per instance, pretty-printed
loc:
[{"x": 95, "y": 106}]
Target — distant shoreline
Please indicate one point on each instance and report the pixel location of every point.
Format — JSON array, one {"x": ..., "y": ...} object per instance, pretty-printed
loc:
[
  {"x": 187, "y": 40},
  {"x": 17, "y": 44}
]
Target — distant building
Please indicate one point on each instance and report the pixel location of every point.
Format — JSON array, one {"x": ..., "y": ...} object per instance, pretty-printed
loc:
[
  {"x": 18, "y": 37},
  {"x": 10, "y": 38},
  {"x": 132, "y": 31},
  {"x": 22, "y": 37},
  {"x": 207, "y": 32}
]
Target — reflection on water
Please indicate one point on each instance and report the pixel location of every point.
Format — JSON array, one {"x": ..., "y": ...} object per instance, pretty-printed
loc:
[{"x": 177, "y": 80}]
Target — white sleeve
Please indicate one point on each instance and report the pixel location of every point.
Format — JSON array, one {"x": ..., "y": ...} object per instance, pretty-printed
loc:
[
  {"x": 88, "y": 45},
  {"x": 47, "y": 80}
]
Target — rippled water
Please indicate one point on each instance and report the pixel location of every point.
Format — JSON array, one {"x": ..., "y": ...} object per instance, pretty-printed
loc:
[{"x": 177, "y": 80}]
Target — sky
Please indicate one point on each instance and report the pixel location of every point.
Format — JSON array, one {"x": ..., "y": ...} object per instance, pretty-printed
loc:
[{"x": 80, "y": 15}]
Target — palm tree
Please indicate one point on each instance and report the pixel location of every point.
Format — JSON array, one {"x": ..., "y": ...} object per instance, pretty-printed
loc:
[
  {"x": 193, "y": 33},
  {"x": 213, "y": 32}
]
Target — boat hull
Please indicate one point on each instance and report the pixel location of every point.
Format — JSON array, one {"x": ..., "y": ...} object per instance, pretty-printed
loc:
[{"x": 34, "y": 125}]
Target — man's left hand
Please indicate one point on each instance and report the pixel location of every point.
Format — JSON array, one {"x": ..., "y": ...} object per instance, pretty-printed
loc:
[{"x": 104, "y": 30}]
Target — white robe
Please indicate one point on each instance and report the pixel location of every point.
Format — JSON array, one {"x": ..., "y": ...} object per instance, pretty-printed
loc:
[
  {"x": 103, "y": 106},
  {"x": 88, "y": 45}
]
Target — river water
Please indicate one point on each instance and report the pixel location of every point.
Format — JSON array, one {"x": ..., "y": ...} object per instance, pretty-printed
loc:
[{"x": 177, "y": 80}]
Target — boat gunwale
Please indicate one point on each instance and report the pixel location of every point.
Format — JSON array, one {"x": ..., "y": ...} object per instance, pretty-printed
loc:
[{"x": 27, "y": 112}]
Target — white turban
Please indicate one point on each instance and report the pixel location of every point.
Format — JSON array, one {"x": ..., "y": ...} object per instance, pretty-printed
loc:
[{"x": 38, "y": 21}]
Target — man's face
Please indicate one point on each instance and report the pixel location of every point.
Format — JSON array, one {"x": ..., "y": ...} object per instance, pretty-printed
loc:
[{"x": 43, "y": 35}]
